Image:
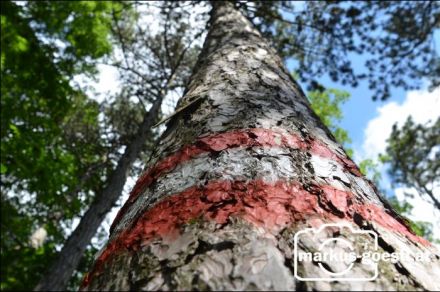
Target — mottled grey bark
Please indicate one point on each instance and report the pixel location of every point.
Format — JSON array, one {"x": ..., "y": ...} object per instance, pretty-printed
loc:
[
  {"x": 239, "y": 95},
  {"x": 73, "y": 250}
]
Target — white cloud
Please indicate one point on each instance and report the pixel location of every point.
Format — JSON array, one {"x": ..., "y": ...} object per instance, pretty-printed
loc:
[
  {"x": 423, "y": 106},
  {"x": 108, "y": 82}
]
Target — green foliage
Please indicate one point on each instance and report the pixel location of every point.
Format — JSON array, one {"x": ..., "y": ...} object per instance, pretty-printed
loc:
[
  {"x": 414, "y": 157},
  {"x": 21, "y": 263},
  {"x": 369, "y": 167},
  {"x": 77, "y": 32},
  {"x": 326, "y": 103},
  {"x": 421, "y": 228},
  {"x": 50, "y": 137},
  {"x": 58, "y": 146}
]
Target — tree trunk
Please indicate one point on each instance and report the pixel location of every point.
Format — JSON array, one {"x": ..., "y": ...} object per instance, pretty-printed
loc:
[
  {"x": 243, "y": 167},
  {"x": 68, "y": 259}
]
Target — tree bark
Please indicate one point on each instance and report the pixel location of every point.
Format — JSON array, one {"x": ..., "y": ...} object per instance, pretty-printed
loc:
[
  {"x": 69, "y": 257},
  {"x": 243, "y": 167}
]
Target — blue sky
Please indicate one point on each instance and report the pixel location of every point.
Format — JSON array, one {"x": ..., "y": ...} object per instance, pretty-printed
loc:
[{"x": 361, "y": 108}]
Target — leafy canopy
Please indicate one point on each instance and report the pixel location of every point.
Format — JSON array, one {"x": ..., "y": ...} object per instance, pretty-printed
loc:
[
  {"x": 50, "y": 138},
  {"x": 395, "y": 40}
]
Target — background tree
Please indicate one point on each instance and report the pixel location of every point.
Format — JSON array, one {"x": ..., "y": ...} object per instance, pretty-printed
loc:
[
  {"x": 413, "y": 155},
  {"x": 421, "y": 228},
  {"x": 85, "y": 134},
  {"x": 49, "y": 130},
  {"x": 149, "y": 82}
]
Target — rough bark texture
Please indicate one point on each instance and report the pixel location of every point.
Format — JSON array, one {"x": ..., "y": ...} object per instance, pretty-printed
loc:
[
  {"x": 62, "y": 269},
  {"x": 238, "y": 172}
]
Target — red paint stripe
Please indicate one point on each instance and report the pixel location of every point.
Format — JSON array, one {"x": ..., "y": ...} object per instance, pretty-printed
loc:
[
  {"x": 272, "y": 206},
  {"x": 256, "y": 137}
]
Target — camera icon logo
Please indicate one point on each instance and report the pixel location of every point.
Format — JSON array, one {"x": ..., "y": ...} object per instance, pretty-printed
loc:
[{"x": 338, "y": 250}]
